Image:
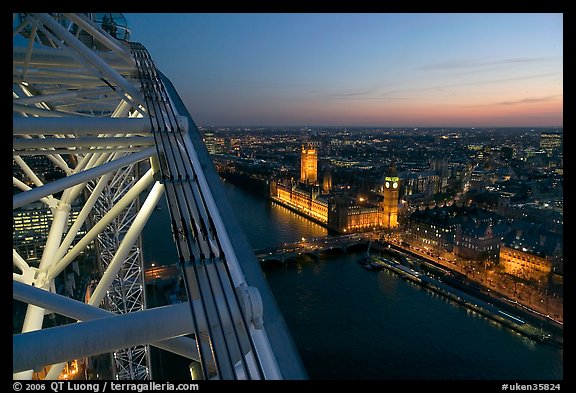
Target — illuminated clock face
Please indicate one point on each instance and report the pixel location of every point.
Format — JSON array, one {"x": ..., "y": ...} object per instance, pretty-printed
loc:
[
  {"x": 395, "y": 185},
  {"x": 387, "y": 185}
]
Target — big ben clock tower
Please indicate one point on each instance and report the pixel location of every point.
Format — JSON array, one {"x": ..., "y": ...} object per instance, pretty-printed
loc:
[{"x": 390, "y": 203}]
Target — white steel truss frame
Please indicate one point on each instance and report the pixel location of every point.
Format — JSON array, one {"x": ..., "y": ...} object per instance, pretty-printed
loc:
[
  {"x": 69, "y": 102},
  {"x": 105, "y": 120}
]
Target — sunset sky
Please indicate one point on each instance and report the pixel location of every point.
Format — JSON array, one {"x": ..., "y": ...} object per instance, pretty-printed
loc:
[{"x": 356, "y": 69}]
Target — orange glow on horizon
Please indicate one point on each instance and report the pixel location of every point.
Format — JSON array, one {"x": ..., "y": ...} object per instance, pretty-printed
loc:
[{"x": 481, "y": 112}]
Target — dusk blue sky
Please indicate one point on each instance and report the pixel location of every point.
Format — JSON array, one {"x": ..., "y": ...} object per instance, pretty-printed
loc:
[
  {"x": 361, "y": 69},
  {"x": 353, "y": 69}
]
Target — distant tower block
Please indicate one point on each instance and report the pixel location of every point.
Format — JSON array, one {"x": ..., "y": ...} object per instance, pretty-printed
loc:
[
  {"x": 390, "y": 202},
  {"x": 550, "y": 142},
  {"x": 308, "y": 165},
  {"x": 327, "y": 179}
]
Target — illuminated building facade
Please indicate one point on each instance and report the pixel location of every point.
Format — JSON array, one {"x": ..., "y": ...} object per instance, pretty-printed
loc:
[
  {"x": 303, "y": 198},
  {"x": 432, "y": 228},
  {"x": 345, "y": 215},
  {"x": 210, "y": 141},
  {"x": 467, "y": 231},
  {"x": 531, "y": 253},
  {"x": 551, "y": 142},
  {"x": 524, "y": 264},
  {"x": 550, "y": 219},
  {"x": 30, "y": 230},
  {"x": 479, "y": 239},
  {"x": 478, "y": 178},
  {"x": 308, "y": 164},
  {"x": 340, "y": 213}
]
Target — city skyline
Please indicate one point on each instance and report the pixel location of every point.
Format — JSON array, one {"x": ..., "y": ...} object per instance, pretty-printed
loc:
[
  {"x": 389, "y": 70},
  {"x": 128, "y": 212}
]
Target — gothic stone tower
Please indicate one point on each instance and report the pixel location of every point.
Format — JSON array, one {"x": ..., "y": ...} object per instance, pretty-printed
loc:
[{"x": 308, "y": 165}]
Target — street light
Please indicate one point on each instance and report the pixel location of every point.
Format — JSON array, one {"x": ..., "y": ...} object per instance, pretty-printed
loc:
[{"x": 153, "y": 271}]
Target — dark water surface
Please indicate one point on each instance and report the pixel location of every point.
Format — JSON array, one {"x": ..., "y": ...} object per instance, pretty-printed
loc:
[{"x": 350, "y": 323}]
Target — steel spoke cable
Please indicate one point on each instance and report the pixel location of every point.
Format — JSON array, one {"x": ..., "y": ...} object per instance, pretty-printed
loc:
[
  {"x": 178, "y": 231},
  {"x": 203, "y": 356},
  {"x": 180, "y": 176},
  {"x": 202, "y": 258},
  {"x": 221, "y": 282},
  {"x": 227, "y": 275},
  {"x": 221, "y": 276}
]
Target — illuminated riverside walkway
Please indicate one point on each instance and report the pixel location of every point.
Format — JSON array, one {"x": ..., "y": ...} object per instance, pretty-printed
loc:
[
  {"x": 95, "y": 106},
  {"x": 476, "y": 295}
]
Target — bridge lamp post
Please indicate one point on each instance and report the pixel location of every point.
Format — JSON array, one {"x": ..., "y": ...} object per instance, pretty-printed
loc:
[{"x": 153, "y": 272}]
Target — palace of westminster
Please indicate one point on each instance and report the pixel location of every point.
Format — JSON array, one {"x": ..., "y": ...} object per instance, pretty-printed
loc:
[
  {"x": 465, "y": 231},
  {"x": 339, "y": 212}
]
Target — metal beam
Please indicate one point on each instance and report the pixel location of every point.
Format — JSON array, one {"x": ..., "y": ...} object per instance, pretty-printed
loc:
[
  {"x": 74, "y": 309},
  {"x": 35, "y": 349},
  {"x": 35, "y": 194},
  {"x": 79, "y": 125},
  {"x": 130, "y": 238},
  {"x": 80, "y": 150},
  {"x": 68, "y": 94},
  {"x": 21, "y": 143},
  {"x": 58, "y": 59},
  {"x": 34, "y": 110},
  {"x": 101, "y": 225},
  {"x": 106, "y": 39},
  {"x": 91, "y": 57}
]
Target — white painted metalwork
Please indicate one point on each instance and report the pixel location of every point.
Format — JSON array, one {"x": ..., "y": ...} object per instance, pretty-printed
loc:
[{"x": 94, "y": 124}]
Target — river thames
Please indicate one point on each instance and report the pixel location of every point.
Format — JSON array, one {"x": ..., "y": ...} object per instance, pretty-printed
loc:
[{"x": 351, "y": 323}]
